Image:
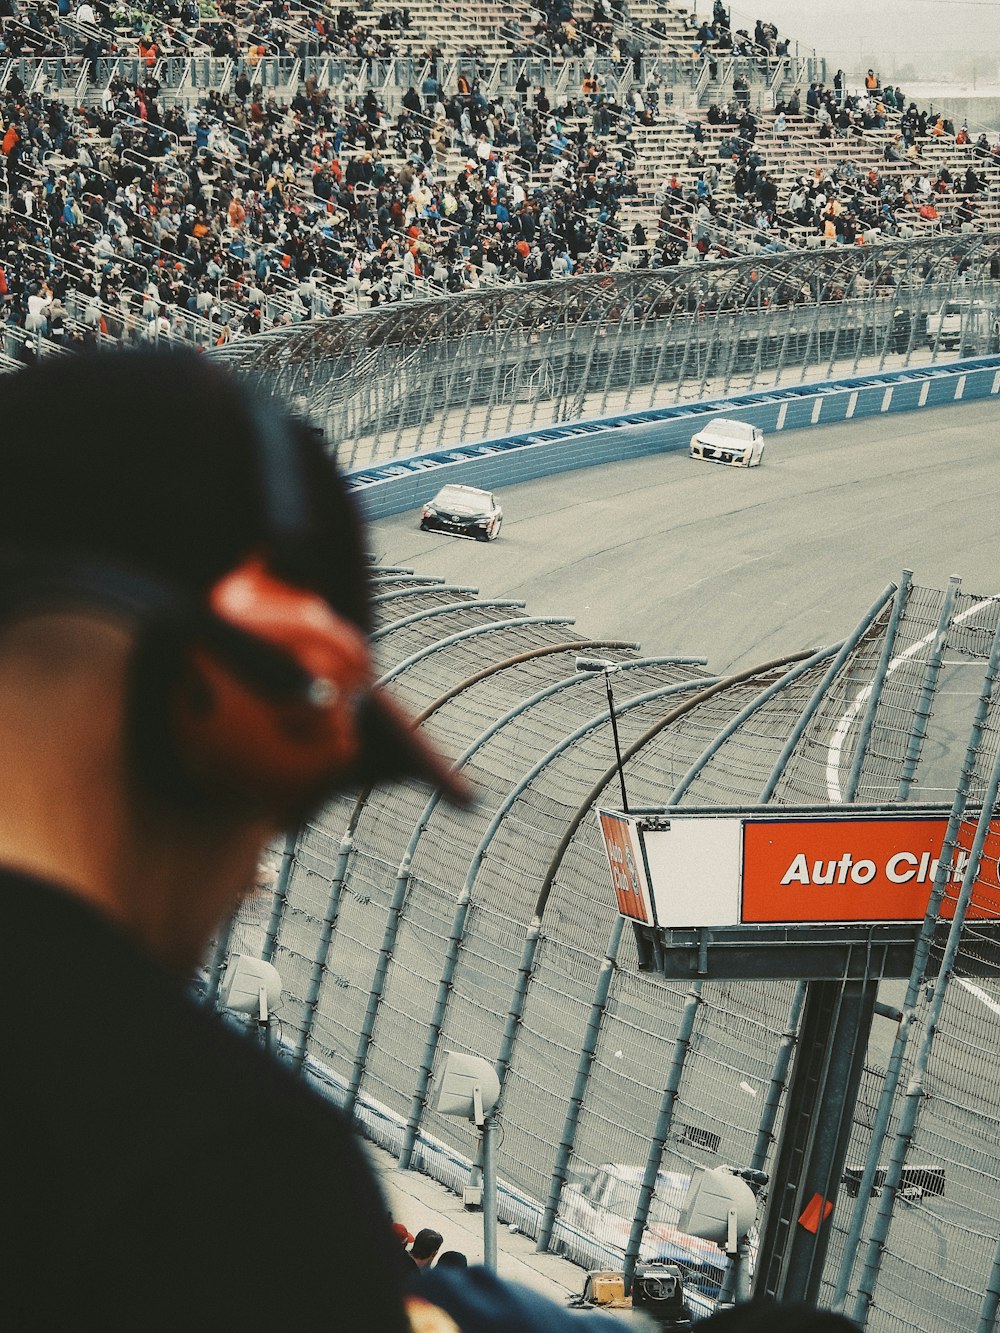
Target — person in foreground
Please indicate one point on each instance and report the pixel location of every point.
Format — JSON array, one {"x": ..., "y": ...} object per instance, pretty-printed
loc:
[
  {"x": 764, "y": 1315},
  {"x": 184, "y": 672}
]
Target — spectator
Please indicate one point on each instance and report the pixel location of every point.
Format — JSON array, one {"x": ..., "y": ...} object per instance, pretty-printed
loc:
[
  {"x": 424, "y": 1249},
  {"x": 452, "y": 1259},
  {"x": 130, "y": 577}
]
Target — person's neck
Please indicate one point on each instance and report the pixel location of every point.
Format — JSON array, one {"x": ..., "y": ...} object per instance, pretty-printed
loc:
[{"x": 70, "y": 813}]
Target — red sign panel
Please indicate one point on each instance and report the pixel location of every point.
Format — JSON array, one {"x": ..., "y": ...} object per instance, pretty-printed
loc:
[
  {"x": 628, "y": 873},
  {"x": 859, "y": 869}
]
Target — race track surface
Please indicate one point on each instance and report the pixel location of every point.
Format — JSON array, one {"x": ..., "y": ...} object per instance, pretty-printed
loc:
[{"x": 740, "y": 566}]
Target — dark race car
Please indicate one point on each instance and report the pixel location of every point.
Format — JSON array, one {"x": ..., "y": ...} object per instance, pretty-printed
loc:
[{"x": 463, "y": 511}]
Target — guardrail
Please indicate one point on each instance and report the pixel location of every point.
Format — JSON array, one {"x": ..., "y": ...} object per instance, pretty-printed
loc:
[{"x": 510, "y": 459}]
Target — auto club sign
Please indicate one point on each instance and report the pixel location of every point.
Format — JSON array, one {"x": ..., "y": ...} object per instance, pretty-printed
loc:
[{"x": 755, "y": 869}]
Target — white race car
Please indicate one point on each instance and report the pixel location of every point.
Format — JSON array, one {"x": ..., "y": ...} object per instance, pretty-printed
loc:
[{"x": 735, "y": 443}]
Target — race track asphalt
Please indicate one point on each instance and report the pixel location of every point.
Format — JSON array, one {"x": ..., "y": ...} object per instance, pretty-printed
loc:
[
  {"x": 687, "y": 558},
  {"x": 740, "y": 566}
]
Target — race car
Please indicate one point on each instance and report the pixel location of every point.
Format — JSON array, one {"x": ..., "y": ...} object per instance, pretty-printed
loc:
[
  {"x": 736, "y": 443},
  {"x": 464, "y": 511}
]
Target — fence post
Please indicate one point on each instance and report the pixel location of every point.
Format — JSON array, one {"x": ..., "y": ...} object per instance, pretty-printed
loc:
[
  {"x": 597, "y": 1011},
  {"x": 931, "y": 673},
  {"x": 991, "y": 1297},
  {"x": 378, "y": 981},
  {"x": 323, "y": 949},
  {"x": 681, "y": 1048},
  {"x": 915, "y": 1088},
  {"x": 280, "y": 899},
  {"x": 772, "y": 1103},
  {"x": 883, "y": 1111}
]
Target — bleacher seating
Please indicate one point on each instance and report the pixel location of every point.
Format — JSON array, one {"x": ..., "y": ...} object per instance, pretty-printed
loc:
[{"x": 284, "y": 174}]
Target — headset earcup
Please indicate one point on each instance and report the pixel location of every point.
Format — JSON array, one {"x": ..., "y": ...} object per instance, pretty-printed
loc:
[
  {"x": 271, "y": 753},
  {"x": 255, "y": 703}
]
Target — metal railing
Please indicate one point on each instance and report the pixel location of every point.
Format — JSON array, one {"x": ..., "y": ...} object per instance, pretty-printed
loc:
[{"x": 494, "y": 362}]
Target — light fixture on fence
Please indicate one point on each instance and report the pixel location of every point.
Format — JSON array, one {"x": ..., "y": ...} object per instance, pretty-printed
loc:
[
  {"x": 251, "y": 986},
  {"x": 470, "y": 1089},
  {"x": 720, "y": 1206}
]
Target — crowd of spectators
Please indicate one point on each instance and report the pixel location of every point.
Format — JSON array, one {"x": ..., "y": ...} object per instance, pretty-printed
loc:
[
  {"x": 248, "y": 213},
  {"x": 138, "y": 219},
  {"x": 229, "y": 28},
  {"x": 837, "y": 197}
]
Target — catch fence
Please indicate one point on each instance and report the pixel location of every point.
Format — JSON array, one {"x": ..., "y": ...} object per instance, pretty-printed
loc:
[
  {"x": 404, "y": 929},
  {"x": 425, "y": 374}
]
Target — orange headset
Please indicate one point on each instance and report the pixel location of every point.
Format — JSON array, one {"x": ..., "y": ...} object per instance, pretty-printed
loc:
[{"x": 270, "y": 707}]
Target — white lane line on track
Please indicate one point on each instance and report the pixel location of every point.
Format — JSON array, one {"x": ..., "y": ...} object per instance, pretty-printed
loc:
[
  {"x": 850, "y": 714},
  {"x": 979, "y": 994}
]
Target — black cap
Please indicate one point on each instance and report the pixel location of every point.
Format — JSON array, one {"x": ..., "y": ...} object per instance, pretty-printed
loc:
[{"x": 163, "y": 465}]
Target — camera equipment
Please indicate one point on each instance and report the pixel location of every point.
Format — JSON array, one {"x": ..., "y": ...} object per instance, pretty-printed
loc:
[{"x": 658, "y": 1290}]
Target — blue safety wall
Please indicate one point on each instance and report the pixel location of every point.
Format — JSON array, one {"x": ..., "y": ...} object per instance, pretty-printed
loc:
[{"x": 404, "y": 484}]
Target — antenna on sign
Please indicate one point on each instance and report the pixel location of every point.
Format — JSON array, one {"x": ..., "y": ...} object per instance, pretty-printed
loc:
[{"x": 607, "y": 669}]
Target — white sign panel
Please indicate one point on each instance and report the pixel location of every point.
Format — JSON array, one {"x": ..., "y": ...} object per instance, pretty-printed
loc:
[{"x": 694, "y": 871}]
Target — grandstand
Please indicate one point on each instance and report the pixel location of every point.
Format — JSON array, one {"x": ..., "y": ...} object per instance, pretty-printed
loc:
[{"x": 203, "y": 177}]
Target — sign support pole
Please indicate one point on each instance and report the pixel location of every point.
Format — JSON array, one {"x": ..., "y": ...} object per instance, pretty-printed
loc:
[{"x": 822, "y": 1094}]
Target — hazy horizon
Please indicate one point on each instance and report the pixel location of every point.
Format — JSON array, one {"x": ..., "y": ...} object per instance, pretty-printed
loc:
[{"x": 926, "y": 40}]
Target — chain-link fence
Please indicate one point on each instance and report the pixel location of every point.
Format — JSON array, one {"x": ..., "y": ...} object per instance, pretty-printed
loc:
[
  {"x": 421, "y": 375},
  {"x": 404, "y": 929}
]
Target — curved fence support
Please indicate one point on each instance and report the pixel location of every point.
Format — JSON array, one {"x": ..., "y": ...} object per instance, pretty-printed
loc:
[
  {"x": 874, "y": 691},
  {"x": 681, "y": 1047},
  {"x": 779, "y": 1080},
  {"x": 473, "y": 632},
  {"x": 769, "y": 1111},
  {"x": 991, "y": 1299},
  {"x": 378, "y": 981},
  {"x": 218, "y": 963},
  {"x": 922, "y": 712},
  {"x": 591, "y": 1036},
  {"x": 323, "y": 950},
  {"x": 915, "y": 1088},
  {"x": 449, "y": 608},
  {"x": 280, "y": 899}
]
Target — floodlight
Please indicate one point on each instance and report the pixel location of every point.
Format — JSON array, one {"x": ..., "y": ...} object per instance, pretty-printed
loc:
[
  {"x": 250, "y": 986},
  {"x": 719, "y": 1207},
  {"x": 597, "y": 664},
  {"x": 469, "y": 1087}
]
